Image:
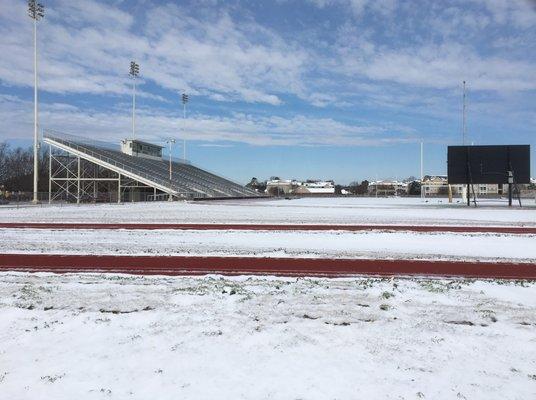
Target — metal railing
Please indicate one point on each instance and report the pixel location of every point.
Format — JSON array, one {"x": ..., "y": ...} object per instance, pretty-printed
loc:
[
  {"x": 196, "y": 182},
  {"x": 67, "y": 140}
]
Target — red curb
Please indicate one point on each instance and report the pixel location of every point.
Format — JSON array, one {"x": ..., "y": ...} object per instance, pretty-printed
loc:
[
  {"x": 185, "y": 265},
  {"x": 273, "y": 227}
]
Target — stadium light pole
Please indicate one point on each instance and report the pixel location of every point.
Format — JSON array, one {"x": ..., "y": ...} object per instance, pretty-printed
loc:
[
  {"x": 36, "y": 11},
  {"x": 464, "y": 120},
  {"x": 134, "y": 72},
  {"x": 170, "y": 142},
  {"x": 185, "y": 99}
]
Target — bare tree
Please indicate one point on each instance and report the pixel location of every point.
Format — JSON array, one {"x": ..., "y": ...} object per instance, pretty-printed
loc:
[
  {"x": 4, "y": 150},
  {"x": 16, "y": 169}
]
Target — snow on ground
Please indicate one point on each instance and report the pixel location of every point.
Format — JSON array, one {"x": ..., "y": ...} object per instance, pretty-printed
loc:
[
  {"x": 124, "y": 337},
  {"x": 90, "y": 336},
  {"x": 307, "y": 210},
  {"x": 323, "y": 244}
]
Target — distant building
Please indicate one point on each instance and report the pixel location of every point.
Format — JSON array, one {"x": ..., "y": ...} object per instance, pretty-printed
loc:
[
  {"x": 387, "y": 188},
  {"x": 434, "y": 185},
  {"x": 528, "y": 190},
  {"x": 277, "y": 187},
  {"x": 315, "y": 187}
]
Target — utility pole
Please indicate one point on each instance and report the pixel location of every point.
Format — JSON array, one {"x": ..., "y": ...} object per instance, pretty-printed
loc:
[
  {"x": 36, "y": 11},
  {"x": 134, "y": 72},
  {"x": 464, "y": 137},
  {"x": 185, "y": 99},
  {"x": 170, "y": 142},
  {"x": 464, "y": 121}
]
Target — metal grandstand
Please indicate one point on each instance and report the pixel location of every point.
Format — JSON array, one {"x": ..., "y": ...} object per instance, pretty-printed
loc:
[{"x": 81, "y": 170}]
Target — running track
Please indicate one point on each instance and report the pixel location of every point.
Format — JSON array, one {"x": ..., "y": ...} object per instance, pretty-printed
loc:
[
  {"x": 183, "y": 265},
  {"x": 274, "y": 227}
]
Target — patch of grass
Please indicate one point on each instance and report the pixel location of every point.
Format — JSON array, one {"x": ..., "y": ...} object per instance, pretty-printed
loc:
[
  {"x": 344, "y": 323},
  {"x": 387, "y": 295},
  {"x": 367, "y": 283},
  {"x": 468, "y": 323},
  {"x": 519, "y": 282},
  {"x": 102, "y": 310},
  {"x": 488, "y": 314},
  {"x": 52, "y": 378}
]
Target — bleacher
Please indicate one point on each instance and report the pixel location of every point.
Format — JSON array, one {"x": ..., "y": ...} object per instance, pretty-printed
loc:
[{"x": 187, "y": 180}]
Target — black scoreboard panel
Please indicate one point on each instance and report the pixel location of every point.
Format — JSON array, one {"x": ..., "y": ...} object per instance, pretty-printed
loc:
[{"x": 488, "y": 164}]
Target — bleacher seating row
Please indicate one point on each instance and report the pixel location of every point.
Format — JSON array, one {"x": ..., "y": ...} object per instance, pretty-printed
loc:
[{"x": 186, "y": 180}]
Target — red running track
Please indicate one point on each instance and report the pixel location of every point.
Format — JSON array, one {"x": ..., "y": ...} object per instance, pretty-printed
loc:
[
  {"x": 274, "y": 227},
  {"x": 183, "y": 265}
]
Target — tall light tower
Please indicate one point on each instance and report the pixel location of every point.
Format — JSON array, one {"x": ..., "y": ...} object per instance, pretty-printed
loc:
[
  {"x": 134, "y": 72},
  {"x": 36, "y": 11},
  {"x": 185, "y": 99},
  {"x": 464, "y": 120}
]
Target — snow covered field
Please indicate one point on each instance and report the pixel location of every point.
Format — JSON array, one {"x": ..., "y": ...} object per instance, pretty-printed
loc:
[
  {"x": 118, "y": 337},
  {"x": 90, "y": 336},
  {"x": 323, "y": 244},
  {"x": 307, "y": 210}
]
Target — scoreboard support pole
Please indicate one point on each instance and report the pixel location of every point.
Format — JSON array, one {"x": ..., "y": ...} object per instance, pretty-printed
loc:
[{"x": 510, "y": 187}]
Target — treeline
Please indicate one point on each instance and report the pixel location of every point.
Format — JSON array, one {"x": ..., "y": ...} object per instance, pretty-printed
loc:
[
  {"x": 16, "y": 169},
  {"x": 354, "y": 187}
]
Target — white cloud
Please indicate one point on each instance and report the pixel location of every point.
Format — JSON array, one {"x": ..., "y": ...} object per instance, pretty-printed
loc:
[
  {"x": 86, "y": 47},
  {"x": 89, "y": 12},
  {"x": 358, "y": 7},
  {"x": 520, "y": 13},
  {"x": 386, "y": 56},
  {"x": 154, "y": 125},
  {"x": 439, "y": 66}
]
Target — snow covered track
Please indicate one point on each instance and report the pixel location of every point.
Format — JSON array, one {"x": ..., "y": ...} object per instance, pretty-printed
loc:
[
  {"x": 321, "y": 237},
  {"x": 184, "y": 265},
  {"x": 272, "y": 227}
]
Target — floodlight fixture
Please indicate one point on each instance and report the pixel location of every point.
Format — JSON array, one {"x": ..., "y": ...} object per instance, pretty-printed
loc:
[
  {"x": 36, "y": 10},
  {"x": 134, "y": 69},
  {"x": 134, "y": 72},
  {"x": 185, "y": 98}
]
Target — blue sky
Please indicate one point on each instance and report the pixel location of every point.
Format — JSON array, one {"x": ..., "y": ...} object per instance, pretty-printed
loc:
[{"x": 331, "y": 89}]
